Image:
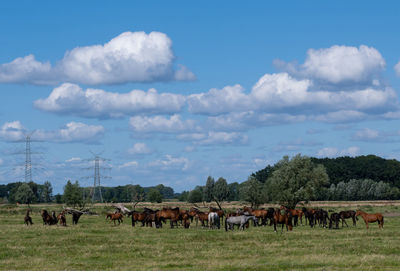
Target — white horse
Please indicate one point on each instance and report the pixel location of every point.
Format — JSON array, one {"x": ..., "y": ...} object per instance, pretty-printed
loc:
[
  {"x": 213, "y": 220},
  {"x": 239, "y": 220}
]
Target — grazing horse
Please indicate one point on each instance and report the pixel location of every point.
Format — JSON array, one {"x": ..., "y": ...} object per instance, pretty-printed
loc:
[
  {"x": 335, "y": 218},
  {"x": 114, "y": 217},
  {"x": 238, "y": 220},
  {"x": 27, "y": 218},
  {"x": 261, "y": 214},
  {"x": 348, "y": 214},
  {"x": 213, "y": 220},
  {"x": 284, "y": 219},
  {"x": 61, "y": 218},
  {"x": 137, "y": 217},
  {"x": 296, "y": 214},
  {"x": 321, "y": 216},
  {"x": 309, "y": 215},
  {"x": 169, "y": 213},
  {"x": 370, "y": 218},
  {"x": 203, "y": 217}
]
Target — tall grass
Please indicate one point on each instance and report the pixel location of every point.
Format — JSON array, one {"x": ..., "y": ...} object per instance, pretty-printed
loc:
[{"x": 95, "y": 244}]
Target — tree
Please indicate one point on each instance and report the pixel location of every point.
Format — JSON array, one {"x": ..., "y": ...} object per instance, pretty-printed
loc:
[
  {"x": 184, "y": 196},
  {"x": 209, "y": 189},
  {"x": 155, "y": 195},
  {"x": 137, "y": 194},
  {"x": 72, "y": 194},
  {"x": 47, "y": 191},
  {"x": 220, "y": 191},
  {"x": 295, "y": 180},
  {"x": 252, "y": 192},
  {"x": 195, "y": 196},
  {"x": 24, "y": 194},
  {"x": 233, "y": 194}
]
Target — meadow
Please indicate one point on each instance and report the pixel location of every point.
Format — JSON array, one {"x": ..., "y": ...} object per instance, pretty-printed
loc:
[{"x": 95, "y": 244}]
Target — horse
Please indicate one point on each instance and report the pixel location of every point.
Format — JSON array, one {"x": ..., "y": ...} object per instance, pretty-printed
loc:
[
  {"x": 114, "y": 217},
  {"x": 220, "y": 212},
  {"x": 213, "y": 220},
  {"x": 284, "y": 219},
  {"x": 348, "y": 214},
  {"x": 169, "y": 213},
  {"x": 48, "y": 219},
  {"x": 203, "y": 217},
  {"x": 239, "y": 220},
  {"x": 61, "y": 218},
  {"x": 261, "y": 214},
  {"x": 321, "y": 217},
  {"x": 370, "y": 218},
  {"x": 296, "y": 214},
  {"x": 27, "y": 218},
  {"x": 334, "y": 218},
  {"x": 137, "y": 216}
]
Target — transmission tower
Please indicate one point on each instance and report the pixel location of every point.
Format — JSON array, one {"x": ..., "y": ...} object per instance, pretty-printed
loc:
[
  {"x": 28, "y": 161},
  {"x": 95, "y": 190}
]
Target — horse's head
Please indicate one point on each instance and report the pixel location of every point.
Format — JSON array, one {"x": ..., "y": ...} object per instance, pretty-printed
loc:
[{"x": 358, "y": 212}]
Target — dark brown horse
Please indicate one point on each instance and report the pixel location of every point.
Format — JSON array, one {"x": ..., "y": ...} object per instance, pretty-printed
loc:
[
  {"x": 283, "y": 217},
  {"x": 296, "y": 214},
  {"x": 138, "y": 217},
  {"x": 348, "y": 214},
  {"x": 370, "y": 218},
  {"x": 27, "y": 218},
  {"x": 47, "y": 218}
]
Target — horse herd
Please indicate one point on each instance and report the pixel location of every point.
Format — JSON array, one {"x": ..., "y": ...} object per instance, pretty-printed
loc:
[{"x": 213, "y": 219}]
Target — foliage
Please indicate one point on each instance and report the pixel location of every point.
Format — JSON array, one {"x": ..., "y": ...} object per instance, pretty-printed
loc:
[
  {"x": 233, "y": 189},
  {"x": 252, "y": 192},
  {"x": 72, "y": 194},
  {"x": 183, "y": 196},
  {"x": 196, "y": 195},
  {"x": 209, "y": 189},
  {"x": 298, "y": 179},
  {"x": 24, "y": 194},
  {"x": 154, "y": 195}
]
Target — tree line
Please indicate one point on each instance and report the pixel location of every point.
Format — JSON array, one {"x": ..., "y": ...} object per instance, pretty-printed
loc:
[{"x": 288, "y": 182}]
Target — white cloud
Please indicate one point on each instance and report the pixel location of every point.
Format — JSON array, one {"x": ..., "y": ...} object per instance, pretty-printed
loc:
[
  {"x": 129, "y": 164},
  {"x": 71, "y": 99},
  {"x": 73, "y": 160},
  {"x": 397, "y": 69},
  {"x": 339, "y": 64},
  {"x": 12, "y": 131},
  {"x": 129, "y": 57},
  {"x": 161, "y": 124},
  {"x": 71, "y": 132},
  {"x": 139, "y": 148},
  {"x": 215, "y": 138},
  {"x": 366, "y": 135},
  {"x": 217, "y": 101},
  {"x": 334, "y": 152},
  {"x": 169, "y": 162}
]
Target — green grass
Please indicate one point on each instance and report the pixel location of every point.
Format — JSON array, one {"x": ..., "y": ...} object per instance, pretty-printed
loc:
[{"x": 95, "y": 244}]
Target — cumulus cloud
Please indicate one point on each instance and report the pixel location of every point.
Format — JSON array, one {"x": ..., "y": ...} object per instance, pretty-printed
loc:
[
  {"x": 139, "y": 149},
  {"x": 339, "y": 64},
  {"x": 129, "y": 164},
  {"x": 72, "y": 99},
  {"x": 71, "y": 132},
  {"x": 334, "y": 152},
  {"x": 161, "y": 124},
  {"x": 215, "y": 138},
  {"x": 169, "y": 162},
  {"x": 12, "y": 131},
  {"x": 129, "y": 57},
  {"x": 366, "y": 134},
  {"x": 397, "y": 69}
]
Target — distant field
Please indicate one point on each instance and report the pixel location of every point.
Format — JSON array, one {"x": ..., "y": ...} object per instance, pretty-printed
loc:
[{"x": 97, "y": 245}]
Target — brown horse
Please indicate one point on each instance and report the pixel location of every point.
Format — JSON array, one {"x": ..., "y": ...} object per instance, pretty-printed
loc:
[
  {"x": 348, "y": 214},
  {"x": 169, "y": 213},
  {"x": 138, "y": 217},
  {"x": 219, "y": 212},
  {"x": 370, "y": 218},
  {"x": 27, "y": 218},
  {"x": 61, "y": 218},
  {"x": 47, "y": 218},
  {"x": 203, "y": 217},
  {"x": 114, "y": 217},
  {"x": 284, "y": 219},
  {"x": 296, "y": 214}
]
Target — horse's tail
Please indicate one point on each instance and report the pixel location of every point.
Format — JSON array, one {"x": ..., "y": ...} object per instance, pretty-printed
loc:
[{"x": 226, "y": 226}]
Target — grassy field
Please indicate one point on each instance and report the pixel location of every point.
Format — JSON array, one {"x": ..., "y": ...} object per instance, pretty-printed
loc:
[{"x": 94, "y": 244}]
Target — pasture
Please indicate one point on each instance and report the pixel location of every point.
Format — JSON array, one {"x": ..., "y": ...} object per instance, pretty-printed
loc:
[{"x": 95, "y": 244}]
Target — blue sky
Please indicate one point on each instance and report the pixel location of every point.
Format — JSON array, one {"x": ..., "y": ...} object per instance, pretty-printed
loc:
[{"x": 175, "y": 92}]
